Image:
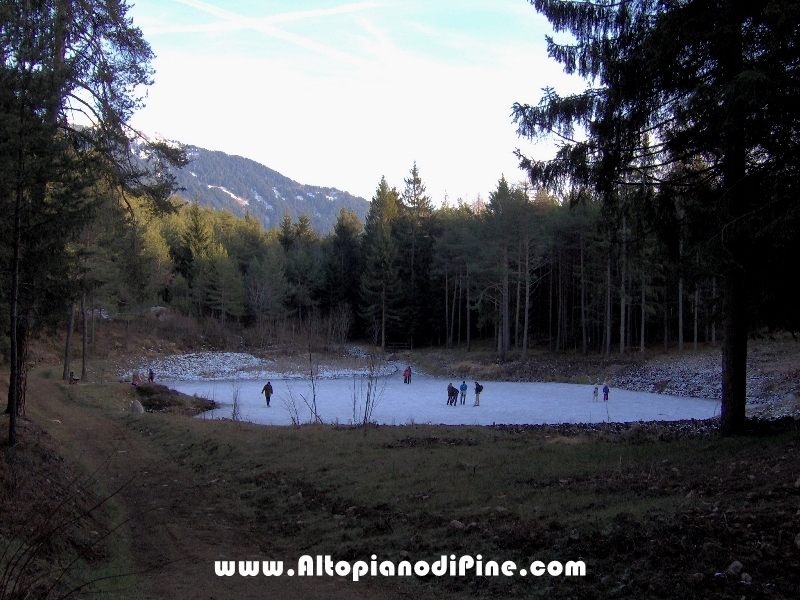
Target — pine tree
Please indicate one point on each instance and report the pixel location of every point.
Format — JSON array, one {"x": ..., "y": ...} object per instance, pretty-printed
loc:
[
  {"x": 415, "y": 241},
  {"x": 266, "y": 284},
  {"x": 507, "y": 208},
  {"x": 380, "y": 283},
  {"x": 681, "y": 82},
  {"x": 343, "y": 261},
  {"x": 225, "y": 293}
]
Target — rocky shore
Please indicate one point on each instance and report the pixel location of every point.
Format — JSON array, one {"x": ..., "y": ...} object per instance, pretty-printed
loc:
[{"x": 773, "y": 377}]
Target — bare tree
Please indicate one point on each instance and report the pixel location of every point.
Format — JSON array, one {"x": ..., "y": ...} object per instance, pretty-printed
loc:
[{"x": 367, "y": 392}]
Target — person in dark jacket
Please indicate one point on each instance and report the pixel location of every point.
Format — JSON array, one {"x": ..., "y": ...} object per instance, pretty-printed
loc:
[
  {"x": 478, "y": 390},
  {"x": 452, "y": 394},
  {"x": 267, "y": 391}
]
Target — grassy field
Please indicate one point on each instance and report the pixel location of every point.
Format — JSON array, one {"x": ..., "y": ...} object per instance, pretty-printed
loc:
[{"x": 654, "y": 510}]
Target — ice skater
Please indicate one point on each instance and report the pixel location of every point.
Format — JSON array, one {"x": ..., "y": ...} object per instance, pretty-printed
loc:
[
  {"x": 267, "y": 391},
  {"x": 452, "y": 394},
  {"x": 463, "y": 389},
  {"x": 605, "y": 393},
  {"x": 478, "y": 390}
]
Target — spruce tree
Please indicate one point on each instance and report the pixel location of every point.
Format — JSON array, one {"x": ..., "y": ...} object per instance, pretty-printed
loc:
[
  {"x": 380, "y": 282},
  {"x": 709, "y": 85},
  {"x": 343, "y": 261},
  {"x": 414, "y": 234}
]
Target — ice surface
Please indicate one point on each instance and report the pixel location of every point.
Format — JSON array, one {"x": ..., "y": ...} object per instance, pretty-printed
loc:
[{"x": 424, "y": 401}]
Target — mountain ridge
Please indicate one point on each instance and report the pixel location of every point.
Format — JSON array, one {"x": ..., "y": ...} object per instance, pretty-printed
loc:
[{"x": 243, "y": 185}]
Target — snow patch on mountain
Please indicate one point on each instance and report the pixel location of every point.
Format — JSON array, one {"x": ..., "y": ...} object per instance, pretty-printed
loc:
[{"x": 240, "y": 201}]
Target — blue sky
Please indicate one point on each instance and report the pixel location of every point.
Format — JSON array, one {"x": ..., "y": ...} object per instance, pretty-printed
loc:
[{"x": 339, "y": 93}]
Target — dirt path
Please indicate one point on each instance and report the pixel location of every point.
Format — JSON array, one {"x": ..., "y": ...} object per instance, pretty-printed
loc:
[{"x": 178, "y": 524}]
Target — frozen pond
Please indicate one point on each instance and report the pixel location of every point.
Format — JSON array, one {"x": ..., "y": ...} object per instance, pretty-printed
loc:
[{"x": 424, "y": 400}]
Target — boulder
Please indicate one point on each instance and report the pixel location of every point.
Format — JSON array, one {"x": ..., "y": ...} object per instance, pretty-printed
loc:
[{"x": 735, "y": 568}]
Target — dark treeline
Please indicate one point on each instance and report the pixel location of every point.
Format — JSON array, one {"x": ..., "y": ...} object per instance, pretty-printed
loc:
[{"x": 524, "y": 269}]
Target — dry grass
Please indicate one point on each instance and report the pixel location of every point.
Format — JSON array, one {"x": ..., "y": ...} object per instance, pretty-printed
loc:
[{"x": 60, "y": 531}]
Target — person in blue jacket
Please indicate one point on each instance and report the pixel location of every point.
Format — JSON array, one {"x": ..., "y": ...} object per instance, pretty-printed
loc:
[{"x": 463, "y": 389}]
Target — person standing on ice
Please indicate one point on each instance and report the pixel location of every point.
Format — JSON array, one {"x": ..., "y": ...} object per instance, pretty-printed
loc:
[
  {"x": 267, "y": 391},
  {"x": 605, "y": 393},
  {"x": 595, "y": 393},
  {"x": 478, "y": 390},
  {"x": 452, "y": 394},
  {"x": 406, "y": 375},
  {"x": 463, "y": 389}
]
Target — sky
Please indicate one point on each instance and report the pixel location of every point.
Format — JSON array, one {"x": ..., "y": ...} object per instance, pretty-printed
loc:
[{"x": 339, "y": 94}]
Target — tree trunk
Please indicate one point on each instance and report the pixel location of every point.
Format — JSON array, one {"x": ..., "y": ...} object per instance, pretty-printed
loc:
[
  {"x": 453, "y": 313},
  {"x": 550, "y": 307},
  {"x": 734, "y": 353},
  {"x": 26, "y": 324},
  {"x": 559, "y": 306},
  {"x": 383, "y": 318},
  {"x": 734, "y": 206},
  {"x": 506, "y": 317},
  {"x": 67, "y": 357},
  {"x": 469, "y": 324},
  {"x": 498, "y": 329},
  {"x": 583, "y": 303},
  {"x": 91, "y": 339},
  {"x": 412, "y": 320},
  {"x": 608, "y": 305},
  {"x": 680, "y": 313},
  {"x": 460, "y": 292},
  {"x": 666, "y": 321},
  {"x": 446, "y": 311},
  {"x": 696, "y": 308},
  {"x": 714, "y": 311},
  {"x": 516, "y": 310},
  {"x": 527, "y": 303},
  {"x": 622, "y": 292},
  {"x": 14, "y": 366},
  {"x": 641, "y": 333},
  {"x": 84, "y": 338}
]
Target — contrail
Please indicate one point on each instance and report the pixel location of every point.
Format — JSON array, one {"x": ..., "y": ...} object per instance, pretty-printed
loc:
[{"x": 233, "y": 22}]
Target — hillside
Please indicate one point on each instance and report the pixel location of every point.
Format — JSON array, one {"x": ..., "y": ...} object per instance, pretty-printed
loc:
[{"x": 224, "y": 181}]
